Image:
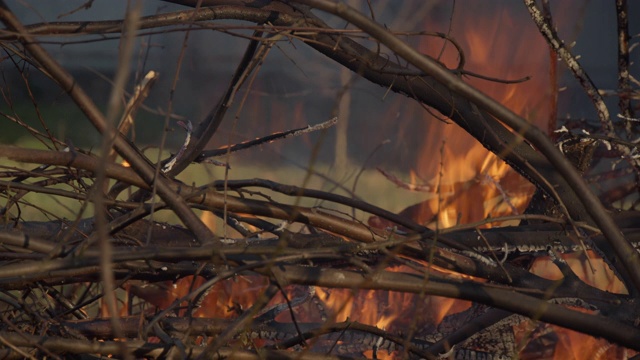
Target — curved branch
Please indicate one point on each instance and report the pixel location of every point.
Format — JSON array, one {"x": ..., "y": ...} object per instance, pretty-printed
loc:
[
  {"x": 139, "y": 348},
  {"x": 203, "y": 196},
  {"x": 502, "y": 298},
  {"x": 493, "y": 135},
  {"x": 595, "y": 212}
]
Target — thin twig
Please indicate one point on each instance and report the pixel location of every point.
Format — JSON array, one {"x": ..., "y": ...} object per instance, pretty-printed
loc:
[
  {"x": 624, "y": 84},
  {"x": 124, "y": 148},
  {"x": 113, "y": 108},
  {"x": 405, "y": 185},
  {"x": 547, "y": 30},
  {"x": 598, "y": 214},
  {"x": 264, "y": 140},
  {"x": 553, "y": 78}
]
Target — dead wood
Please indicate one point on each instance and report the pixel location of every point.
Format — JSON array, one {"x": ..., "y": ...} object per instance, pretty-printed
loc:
[{"x": 190, "y": 292}]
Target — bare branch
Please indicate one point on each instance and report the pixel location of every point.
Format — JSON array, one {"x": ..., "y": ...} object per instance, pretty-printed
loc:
[{"x": 124, "y": 148}]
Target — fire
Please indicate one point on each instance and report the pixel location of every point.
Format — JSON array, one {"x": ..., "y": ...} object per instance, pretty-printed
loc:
[
  {"x": 389, "y": 310},
  {"x": 474, "y": 183},
  {"x": 573, "y": 345},
  {"x": 470, "y": 184},
  {"x": 565, "y": 344},
  {"x": 228, "y": 299},
  {"x": 589, "y": 267},
  {"x": 225, "y": 299}
]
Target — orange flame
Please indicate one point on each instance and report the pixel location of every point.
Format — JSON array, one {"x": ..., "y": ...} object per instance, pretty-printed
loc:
[
  {"x": 589, "y": 267},
  {"x": 394, "y": 311},
  {"x": 474, "y": 184}
]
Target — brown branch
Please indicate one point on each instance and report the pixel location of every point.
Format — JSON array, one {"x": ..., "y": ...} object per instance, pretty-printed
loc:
[
  {"x": 380, "y": 70},
  {"x": 553, "y": 79},
  {"x": 572, "y": 63},
  {"x": 101, "y": 181},
  {"x": 101, "y": 329},
  {"x": 143, "y": 349},
  {"x": 148, "y": 22},
  {"x": 405, "y": 185},
  {"x": 204, "y": 196},
  {"x": 598, "y": 214},
  {"x": 210, "y": 124},
  {"x": 529, "y": 306},
  {"x": 624, "y": 83},
  {"x": 140, "y": 93},
  {"x": 204, "y": 155},
  {"x": 124, "y": 148}
]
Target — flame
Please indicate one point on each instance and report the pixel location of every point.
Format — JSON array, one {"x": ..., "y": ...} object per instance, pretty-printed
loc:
[
  {"x": 209, "y": 220},
  {"x": 413, "y": 178},
  {"x": 473, "y": 183},
  {"x": 569, "y": 344},
  {"x": 227, "y": 299},
  {"x": 589, "y": 267},
  {"x": 390, "y": 310},
  {"x": 573, "y": 345}
]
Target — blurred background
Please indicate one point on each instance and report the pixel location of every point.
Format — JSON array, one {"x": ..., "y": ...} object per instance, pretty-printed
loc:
[{"x": 297, "y": 87}]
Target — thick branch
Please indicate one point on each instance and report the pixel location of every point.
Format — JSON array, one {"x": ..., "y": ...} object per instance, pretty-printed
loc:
[
  {"x": 142, "y": 349},
  {"x": 596, "y": 325},
  {"x": 379, "y": 70},
  {"x": 629, "y": 258}
]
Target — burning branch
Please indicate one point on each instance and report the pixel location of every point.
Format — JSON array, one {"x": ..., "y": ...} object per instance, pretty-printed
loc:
[{"x": 185, "y": 292}]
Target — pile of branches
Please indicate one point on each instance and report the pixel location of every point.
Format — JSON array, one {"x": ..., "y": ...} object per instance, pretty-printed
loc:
[{"x": 53, "y": 273}]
